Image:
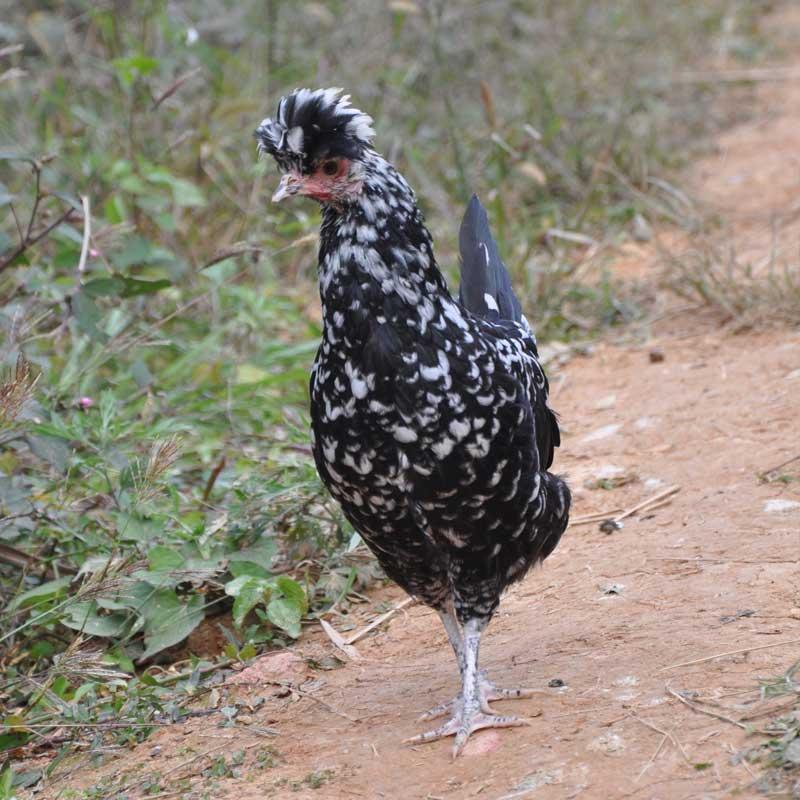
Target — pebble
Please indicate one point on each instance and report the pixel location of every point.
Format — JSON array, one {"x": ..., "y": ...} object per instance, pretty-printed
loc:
[{"x": 777, "y": 506}]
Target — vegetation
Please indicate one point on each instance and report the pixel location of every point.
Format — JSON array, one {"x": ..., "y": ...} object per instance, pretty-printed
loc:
[{"x": 158, "y": 317}]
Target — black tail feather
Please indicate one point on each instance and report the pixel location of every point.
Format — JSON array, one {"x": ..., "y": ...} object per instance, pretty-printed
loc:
[{"x": 485, "y": 284}]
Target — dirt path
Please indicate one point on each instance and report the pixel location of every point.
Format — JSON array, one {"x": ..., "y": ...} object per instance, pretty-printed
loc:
[
  {"x": 610, "y": 616},
  {"x": 717, "y": 411}
]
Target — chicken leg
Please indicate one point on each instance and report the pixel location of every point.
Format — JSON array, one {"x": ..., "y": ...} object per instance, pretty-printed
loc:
[
  {"x": 487, "y": 690},
  {"x": 470, "y": 711}
]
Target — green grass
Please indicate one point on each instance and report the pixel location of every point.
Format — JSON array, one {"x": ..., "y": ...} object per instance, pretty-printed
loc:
[{"x": 155, "y": 467}]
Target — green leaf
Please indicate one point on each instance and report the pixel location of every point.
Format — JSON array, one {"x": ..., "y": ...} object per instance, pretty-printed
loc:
[
  {"x": 123, "y": 287},
  {"x": 7, "y": 742},
  {"x": 104, "y": 287},
  {"x": 162, "y": 558},
  {"x": 234, "y": 588},
  {"x": 85, "y": 617},
  {"x": 6, "y": 783},
  {"x": 141, "y": 374},
  {"x": 132, "y": 67},
  {"x": 88, "y": 315},
  {"x": 43, "y": 593},
  {"x": 293, "y": 592},
  {"x": 249, "y": 592},
  {"x": 53, "y": 450},
  {"x": 261, "y": 554},
  {"x": 247, "y": 652},
  {"x": 251, "y": 595},
  {"x": 131, "y": 528},
  {"x": 248, "y": 568},
  {"x": 284, "y": 614},
  {"x": 134, "y": 287},
  {"x": 168, "y": 620}
]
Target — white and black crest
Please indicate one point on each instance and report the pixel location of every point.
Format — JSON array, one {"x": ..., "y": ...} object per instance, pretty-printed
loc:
[{"x": 314, "y": 124}]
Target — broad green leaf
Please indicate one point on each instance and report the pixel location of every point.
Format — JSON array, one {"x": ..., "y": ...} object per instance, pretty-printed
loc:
[
  {"x": 248, "y": 568},
  {"x": 88, "y": 316},
  {"x": 164, "y": 558},
  {"x": 293, "y": 592},
  {"x": 135, "y": 287},
  {"x": 284, "y": 614},
  {"x": 233, "y": 588},
  {"x": 248, "y": 597},
  {"x": 43, "y": 593},
  {"x": 123, "y": 287},
  {"x": 261, "y": 554},
  {"x": 141, "y": 374},
  {"x": 169, "y": 620},
  {"x": 131, "y": 528},
  {"x": 104, "y": 287},
  {"x": 6, "y": 783},
  {"x": 56, "y": 452},
  {"x": 247, "y": 652},
  {"x": 85, "y": 617}
]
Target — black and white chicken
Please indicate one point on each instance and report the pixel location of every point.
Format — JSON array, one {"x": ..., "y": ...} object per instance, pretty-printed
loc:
[{"x": 430, "y": 422}]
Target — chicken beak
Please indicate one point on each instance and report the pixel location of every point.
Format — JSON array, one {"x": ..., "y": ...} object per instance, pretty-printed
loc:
[{"x": 290, "y": 185}]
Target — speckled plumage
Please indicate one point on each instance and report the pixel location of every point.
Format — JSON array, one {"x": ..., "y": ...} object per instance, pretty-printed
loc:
[{"x": 430, "y": 422}]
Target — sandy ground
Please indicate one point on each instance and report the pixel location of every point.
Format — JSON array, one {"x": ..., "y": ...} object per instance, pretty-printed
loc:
[{"x": 617, "y": 619}]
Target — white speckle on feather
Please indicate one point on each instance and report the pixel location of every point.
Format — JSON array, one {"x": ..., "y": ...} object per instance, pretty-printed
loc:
[
  {"x": 294, "y": 139},
  {"x": 491, "y": 303},
  {"x": 459, "y": 428},
  {"x": 358, "y": 387},
  {"x": 404, "y": 435},
  {"x": 443, "y": 447}
]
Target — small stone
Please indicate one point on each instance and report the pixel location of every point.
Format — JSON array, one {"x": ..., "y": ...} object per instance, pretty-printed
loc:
[
  {"x": 609, "y": 743},
  {"x": 778, "y": 506},
  {"x": 640, "y": 229},
  {"x": 610, "y": 525},
  {"x": 601, "y": 433},
  {"x": 656, "y": 355}
]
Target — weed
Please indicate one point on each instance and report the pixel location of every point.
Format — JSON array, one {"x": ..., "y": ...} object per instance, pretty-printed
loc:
[
  {"x": 780, "y": 753},
  {"x": 745, "y": 294}
]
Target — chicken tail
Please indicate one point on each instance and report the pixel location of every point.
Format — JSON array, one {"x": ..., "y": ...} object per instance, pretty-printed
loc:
[{"x": 485, "y": 287}]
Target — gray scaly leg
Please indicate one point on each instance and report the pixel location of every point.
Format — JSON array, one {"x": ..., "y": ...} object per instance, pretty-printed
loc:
[
  {"x": 468, "y": 712},
  {"x": 488, "y": 692}
]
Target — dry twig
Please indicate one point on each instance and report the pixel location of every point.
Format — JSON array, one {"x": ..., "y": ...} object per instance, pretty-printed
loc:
[
  {"x": 409, "y": 601},
  {"x": 339, "y": 641},
  {"x": 728, "y": 653},
  {"x": 705, "y": 711}
]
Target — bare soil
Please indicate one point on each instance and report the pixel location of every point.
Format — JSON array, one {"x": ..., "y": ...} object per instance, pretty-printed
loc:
[{"x": 617, "y": 618}]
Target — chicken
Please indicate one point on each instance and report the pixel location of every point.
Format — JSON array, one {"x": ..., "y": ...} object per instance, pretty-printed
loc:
[{"x": 430, "y": 423}]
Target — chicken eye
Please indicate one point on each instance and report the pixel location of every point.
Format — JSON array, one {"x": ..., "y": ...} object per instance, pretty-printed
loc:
[{"x": 330, "y": 167}]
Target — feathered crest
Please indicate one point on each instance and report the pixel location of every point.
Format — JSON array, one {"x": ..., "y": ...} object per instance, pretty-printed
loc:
[{"x": 312, "y": 124}]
